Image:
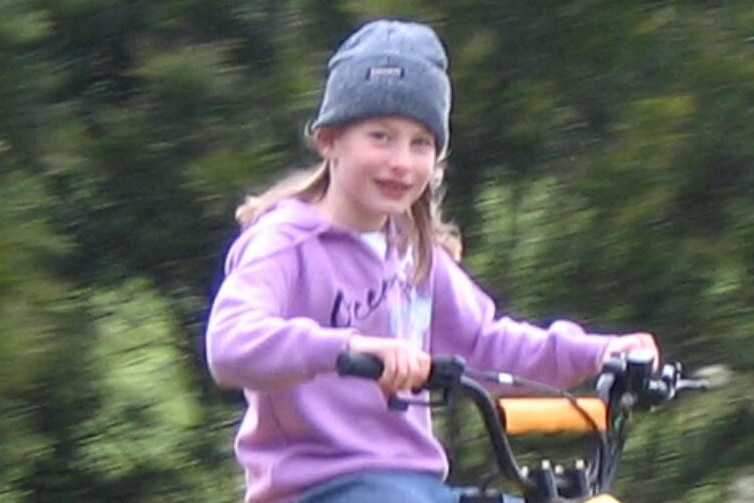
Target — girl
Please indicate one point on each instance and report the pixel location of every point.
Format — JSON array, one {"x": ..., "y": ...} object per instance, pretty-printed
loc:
[{"x": 354, "y": 256}]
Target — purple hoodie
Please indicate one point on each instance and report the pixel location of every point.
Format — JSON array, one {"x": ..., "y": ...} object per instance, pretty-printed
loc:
[{"x": 296, "y": 288}]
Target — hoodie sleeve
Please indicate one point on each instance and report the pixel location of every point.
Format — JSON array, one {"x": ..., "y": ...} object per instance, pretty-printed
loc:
[
  {"x": 250, "y": 342},
  {"x": 465, "y": 323}
]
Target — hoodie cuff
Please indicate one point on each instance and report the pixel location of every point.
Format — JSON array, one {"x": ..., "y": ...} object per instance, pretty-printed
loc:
[{"x": 328, "y": 344}]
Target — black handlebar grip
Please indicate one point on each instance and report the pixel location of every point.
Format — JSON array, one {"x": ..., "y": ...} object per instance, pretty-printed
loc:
[{"x": 359, "y": 365}]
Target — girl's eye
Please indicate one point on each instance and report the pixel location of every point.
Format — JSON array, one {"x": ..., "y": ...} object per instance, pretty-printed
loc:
[
  {"x": 379, "y": 135},
  {"x": 425, "y": 141}
]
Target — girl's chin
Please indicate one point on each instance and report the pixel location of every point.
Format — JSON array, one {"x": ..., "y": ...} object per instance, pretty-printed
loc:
[{"x": 394, "y": 208}]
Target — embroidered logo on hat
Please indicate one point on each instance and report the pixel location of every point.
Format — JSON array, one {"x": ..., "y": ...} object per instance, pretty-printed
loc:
[{"x": 385, "y": 71}]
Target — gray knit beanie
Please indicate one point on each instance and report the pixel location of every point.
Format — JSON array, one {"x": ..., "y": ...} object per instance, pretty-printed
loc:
[{"x": 389, "y": 68}]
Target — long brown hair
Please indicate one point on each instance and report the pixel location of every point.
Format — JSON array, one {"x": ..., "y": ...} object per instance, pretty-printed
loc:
[{"x": 421, "y": 227}]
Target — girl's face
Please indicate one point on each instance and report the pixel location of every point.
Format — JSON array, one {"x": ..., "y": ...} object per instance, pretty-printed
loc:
[{"x": 378, "y": 167}]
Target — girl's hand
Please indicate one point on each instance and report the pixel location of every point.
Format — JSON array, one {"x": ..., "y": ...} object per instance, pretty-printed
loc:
[
  {"x": 406, "y": 367},
  {"x": 633, "y": 342}
]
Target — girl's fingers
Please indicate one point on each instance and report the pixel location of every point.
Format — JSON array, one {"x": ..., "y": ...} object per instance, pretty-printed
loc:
[
  {"x": 404, "y": 367},
  {"x": 634, "y": 342}
]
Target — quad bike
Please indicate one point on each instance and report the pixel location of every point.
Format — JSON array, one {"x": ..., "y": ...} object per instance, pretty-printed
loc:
[{"x": 625, "y": 384}]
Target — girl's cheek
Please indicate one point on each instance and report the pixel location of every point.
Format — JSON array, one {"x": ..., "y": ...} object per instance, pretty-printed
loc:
[{"x": 429, "y": 174}]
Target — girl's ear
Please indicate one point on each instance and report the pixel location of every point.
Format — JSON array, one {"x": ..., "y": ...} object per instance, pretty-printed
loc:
[{"x": 324, "y": 139}]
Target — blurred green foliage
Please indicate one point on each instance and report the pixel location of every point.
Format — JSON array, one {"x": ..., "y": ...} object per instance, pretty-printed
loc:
[{"x": 601, "y": 169}]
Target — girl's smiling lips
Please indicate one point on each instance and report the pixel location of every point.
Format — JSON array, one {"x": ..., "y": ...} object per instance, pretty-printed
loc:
[{"x": 394, "y": 189}]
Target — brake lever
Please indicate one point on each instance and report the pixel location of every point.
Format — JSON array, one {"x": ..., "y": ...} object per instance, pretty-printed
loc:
[{"x": 693, "y": 384}]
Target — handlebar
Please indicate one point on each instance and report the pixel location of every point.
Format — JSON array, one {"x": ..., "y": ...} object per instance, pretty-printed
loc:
[
  {"x": 445, "y": 371},
  {"x": 627, "y": 382}
]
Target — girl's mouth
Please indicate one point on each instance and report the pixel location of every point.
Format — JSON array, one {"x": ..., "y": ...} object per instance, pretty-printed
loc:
[{"x": 393, "y": 189}]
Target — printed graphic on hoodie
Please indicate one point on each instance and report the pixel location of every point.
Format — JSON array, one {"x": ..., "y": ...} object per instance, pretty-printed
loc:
[{"x": 410, "y": 309}]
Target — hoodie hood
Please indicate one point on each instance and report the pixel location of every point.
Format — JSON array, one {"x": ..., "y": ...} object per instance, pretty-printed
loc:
[{"x": 282, "y": 226}]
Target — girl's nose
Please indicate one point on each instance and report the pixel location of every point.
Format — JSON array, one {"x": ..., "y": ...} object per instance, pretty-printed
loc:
[{"x": 400, "y": 157}]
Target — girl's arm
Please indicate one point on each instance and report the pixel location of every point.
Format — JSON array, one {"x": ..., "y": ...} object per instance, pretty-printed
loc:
[
  {"x": 250, "y": 344},
  {"x": 464, "y": 322}
]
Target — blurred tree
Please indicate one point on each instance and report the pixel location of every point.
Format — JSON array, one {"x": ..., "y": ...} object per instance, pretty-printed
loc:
[{"x": 600, "y": 166}]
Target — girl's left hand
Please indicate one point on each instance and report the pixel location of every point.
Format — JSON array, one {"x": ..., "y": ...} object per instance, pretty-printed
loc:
[{"x": 640, "y": 341}]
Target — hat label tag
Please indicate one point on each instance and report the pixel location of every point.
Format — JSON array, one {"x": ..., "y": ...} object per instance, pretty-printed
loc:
[{"x": 385, "y": 72}]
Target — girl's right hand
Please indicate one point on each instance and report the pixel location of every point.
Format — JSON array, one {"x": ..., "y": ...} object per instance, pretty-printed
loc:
[{"x": 406, "y": 367}]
